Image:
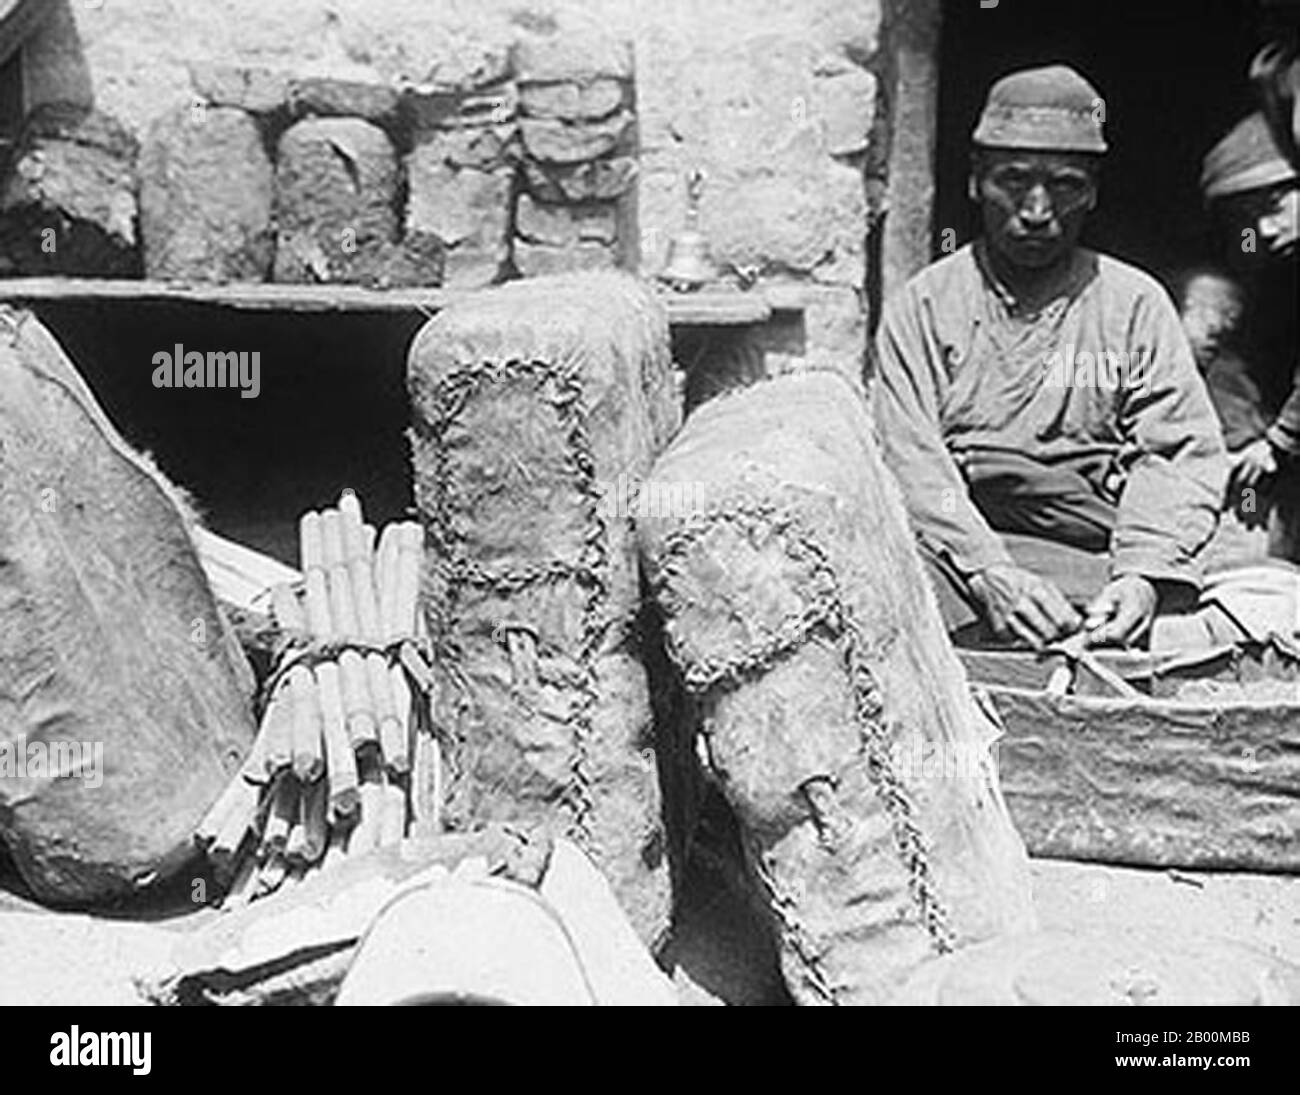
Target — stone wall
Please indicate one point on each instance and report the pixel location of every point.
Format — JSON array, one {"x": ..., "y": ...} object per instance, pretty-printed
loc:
[
  {"x": 775, "y": 101},
  {"x": 608, "y": 105}
]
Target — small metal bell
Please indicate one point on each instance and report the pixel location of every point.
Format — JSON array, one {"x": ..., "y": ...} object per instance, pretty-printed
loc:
[{"x": 689, "y": 266}]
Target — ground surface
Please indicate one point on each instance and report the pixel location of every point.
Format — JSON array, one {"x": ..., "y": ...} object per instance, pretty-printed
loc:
[
  {"x": 720, "y": 956},
  {"x": 1263, "y": 910},
  {"x": 719, "y": 961}
]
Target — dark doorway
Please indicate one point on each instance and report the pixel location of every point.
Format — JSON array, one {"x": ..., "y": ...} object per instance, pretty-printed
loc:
[
  {"x": 331, "y": 413},
  {"x": 1173, "y": 77}
]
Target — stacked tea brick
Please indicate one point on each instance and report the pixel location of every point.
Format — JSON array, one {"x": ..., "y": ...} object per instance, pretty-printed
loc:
[
  {"x": 337, "y": 182},
  {"x": 207, "y": 183},
  {"x": 468, "y": 161},
  {"x": 461, "y": 168},
  {"x": 578, "y": 138},
  {"x": 336, "y": 185},
  {"x": 291, "y": 176},
  {"x": 68, "y": 203},
  {"x": 206, "y": 191}
]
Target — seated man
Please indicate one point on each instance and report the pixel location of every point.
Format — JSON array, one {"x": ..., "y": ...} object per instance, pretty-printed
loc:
[{"x": 1030, "y": 387}]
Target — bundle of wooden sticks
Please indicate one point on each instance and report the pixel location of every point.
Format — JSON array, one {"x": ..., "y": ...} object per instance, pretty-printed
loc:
[{"x": 344, "y": 760}]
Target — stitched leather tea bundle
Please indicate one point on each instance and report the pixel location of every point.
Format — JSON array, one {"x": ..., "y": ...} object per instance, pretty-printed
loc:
[
  {"x": 123, "y": 696},
  {"x": 535, "y": 406},
  {"x": 838, "y": 721}
]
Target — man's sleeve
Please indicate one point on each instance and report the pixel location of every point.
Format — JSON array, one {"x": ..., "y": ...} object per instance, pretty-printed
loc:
[
  {"x": 1177, "y": 469},
  {"x": 1284, "y": 433},
  {"x": 909, "y": 381}
]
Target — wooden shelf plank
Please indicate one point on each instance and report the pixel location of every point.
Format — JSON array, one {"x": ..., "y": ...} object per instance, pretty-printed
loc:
[
  {"x": 717, "y": 308},
  {"x": 249, "y": 296},
  {"x": 706, "y": 308}
]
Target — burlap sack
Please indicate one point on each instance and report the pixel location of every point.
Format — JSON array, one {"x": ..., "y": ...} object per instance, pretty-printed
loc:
[
  {"x": 838, "y": 721},
  {"x": 123, "y": 697},
  {"x": 529, "y": 403}
]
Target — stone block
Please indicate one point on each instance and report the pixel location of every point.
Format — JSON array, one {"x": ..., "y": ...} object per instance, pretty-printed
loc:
[
  {"x": 467, "y": 62},
  {"x": 69, "y": 202},
  {"x": 464, "y": 212},
  {"x": 472, "y": 265},
  {"x": 540, "y": 222},
  {"x": 571, "y": 52},
  {"x": 553, "y": 141},
  {"x": 254, "y": 88},
  {"x": 420, "y": 260},
  {"x": 408, "y": 264},
  {"x": 206, "y": 195},
  {"x": 343, "y": 96},
  {"x": 595, "y": 180},
  {"x": 336, "y": 187},
  {"x": 811, "y": 222},
  {"x": 535, "y": 260},
  {"x": 571, "y": 100},
  {"x": 844, "y": 105},
  {"x": 482, "y": 147}
]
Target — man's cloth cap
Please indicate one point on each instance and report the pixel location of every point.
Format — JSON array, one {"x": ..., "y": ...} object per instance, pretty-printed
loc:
[
  {"x": 1051, "y": 109},
  {"x": 1246, "y": 159}
]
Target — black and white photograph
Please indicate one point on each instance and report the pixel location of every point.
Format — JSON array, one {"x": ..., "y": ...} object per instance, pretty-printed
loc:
[{"x": 650, "y": 503}]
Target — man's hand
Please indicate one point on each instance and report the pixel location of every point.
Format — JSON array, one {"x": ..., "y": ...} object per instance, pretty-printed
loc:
[
  {"x": 1250, "y": 465},
  {"x": 1122, "y": 611},
  {"x": 1020, "y": 603}
]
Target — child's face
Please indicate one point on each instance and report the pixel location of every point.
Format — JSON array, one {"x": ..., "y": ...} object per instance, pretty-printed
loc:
[{"x": 1211, "y": 311}]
